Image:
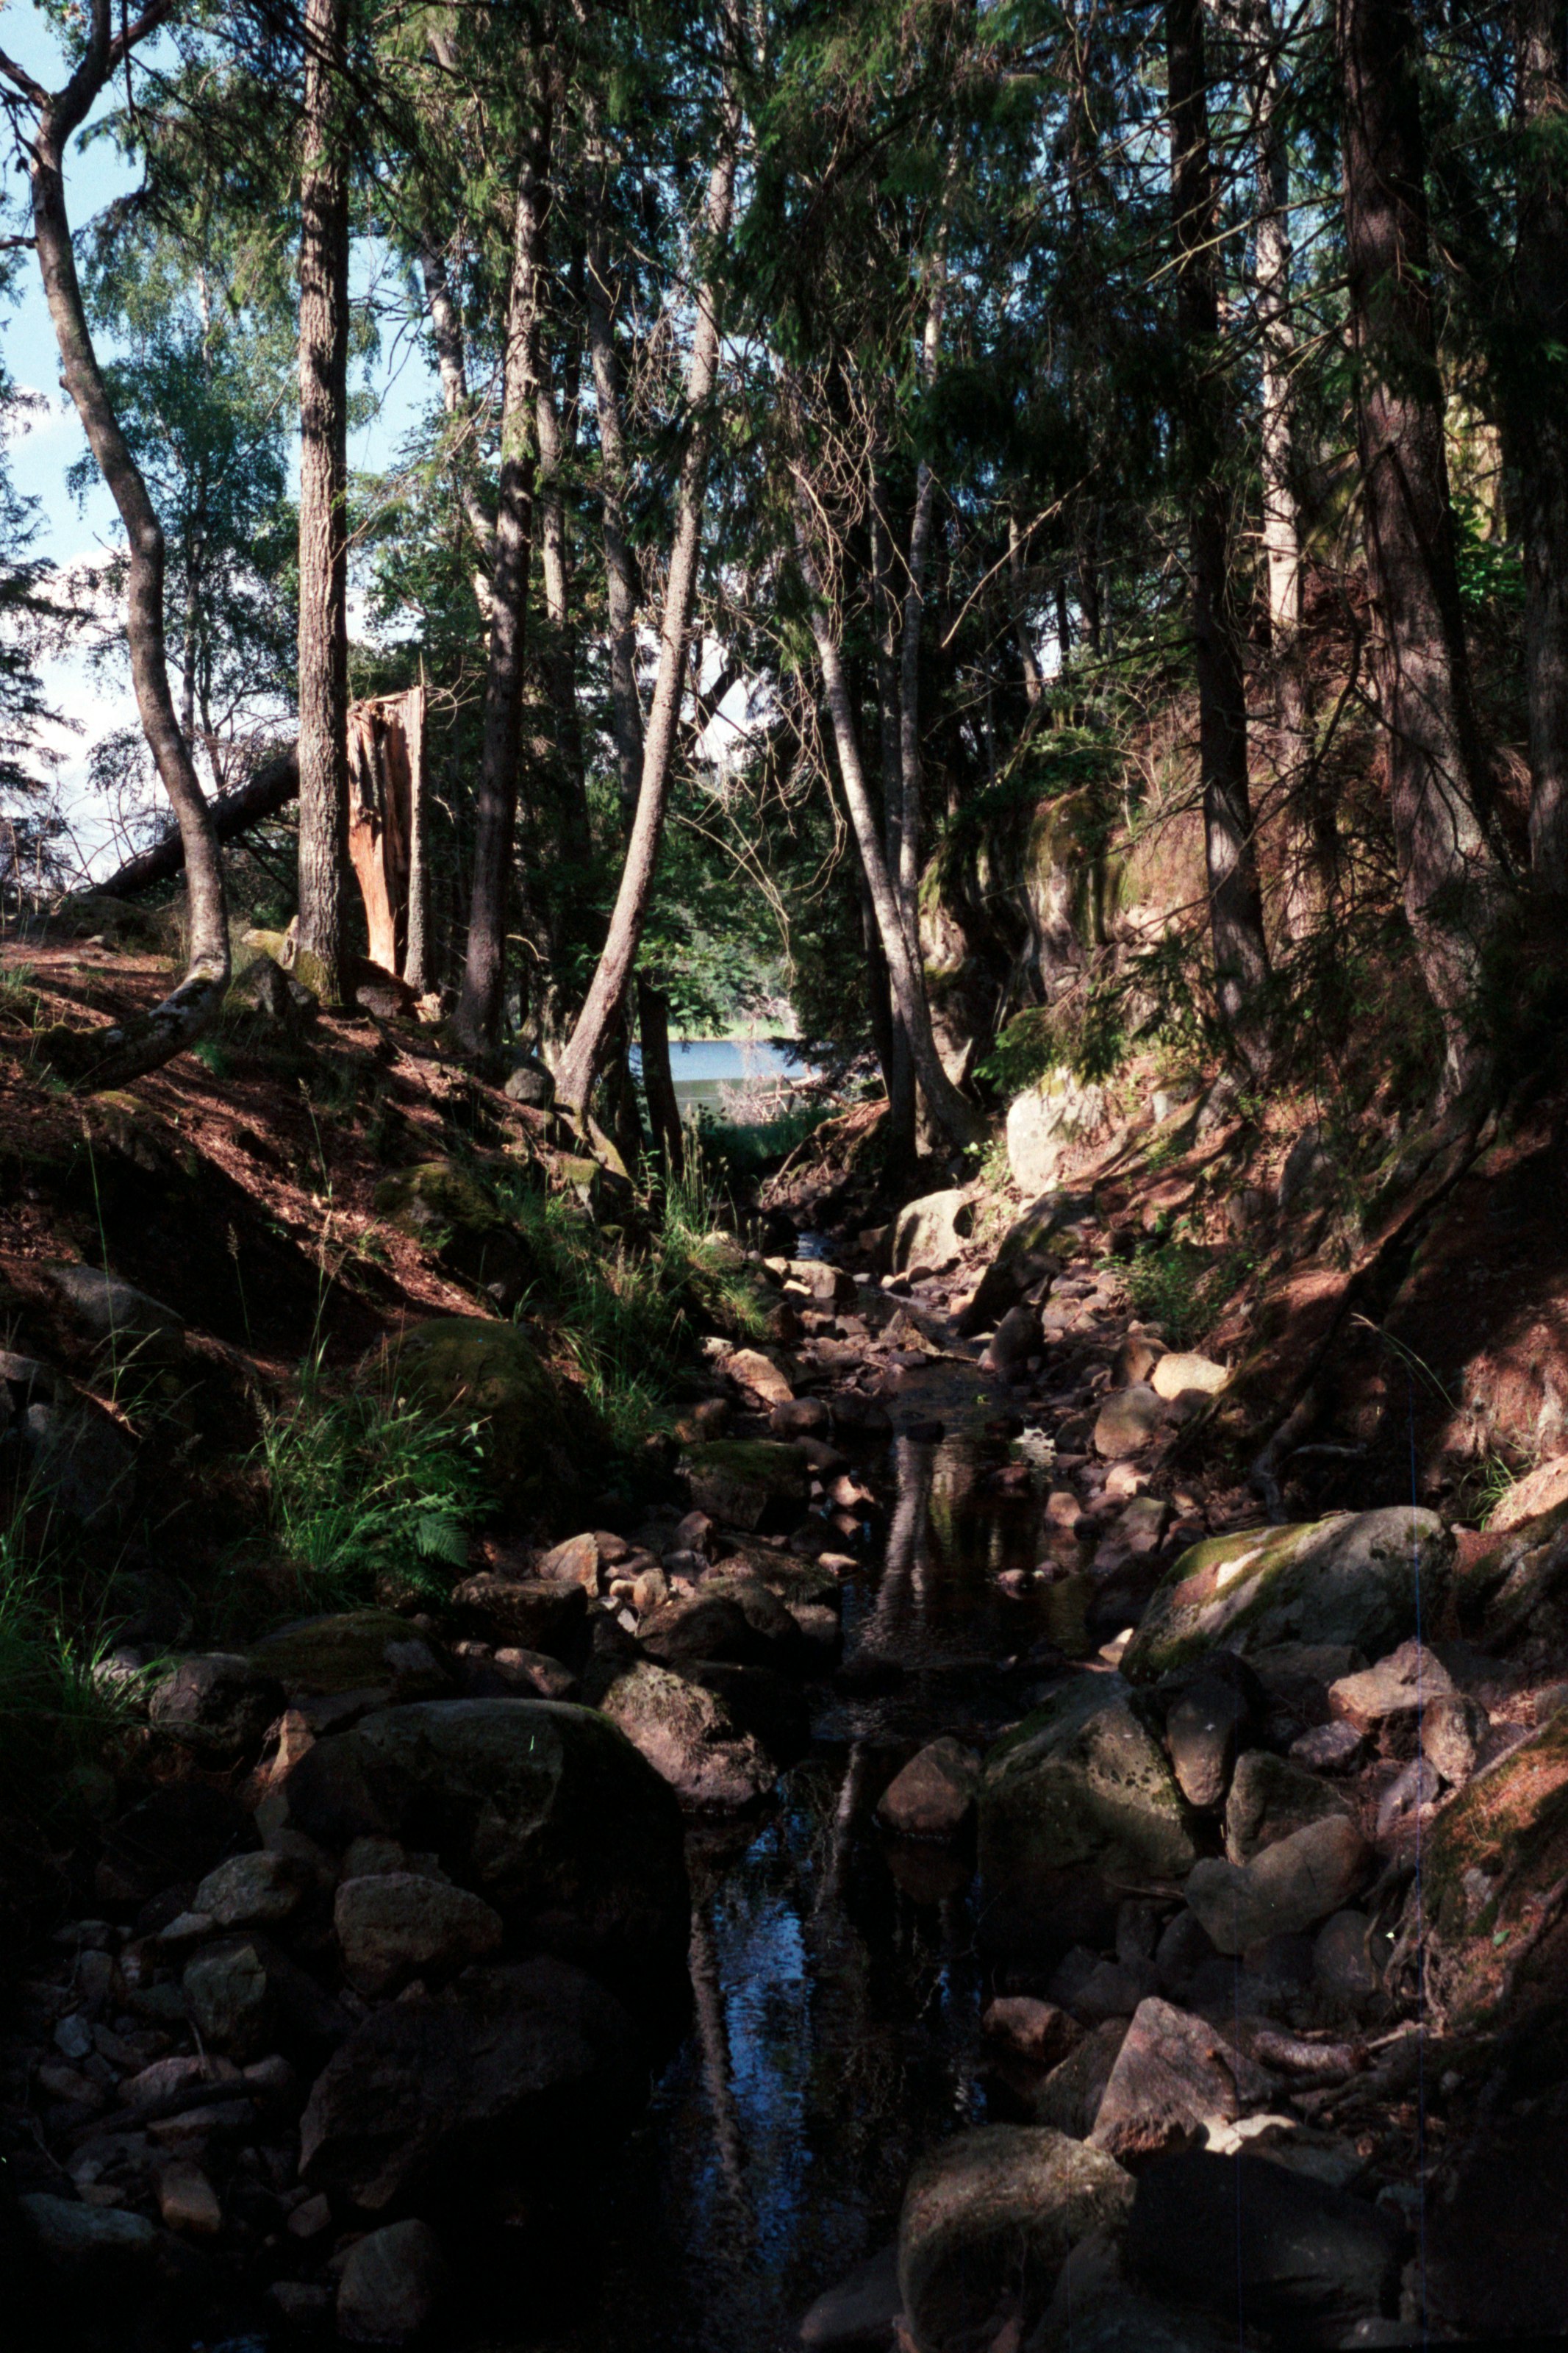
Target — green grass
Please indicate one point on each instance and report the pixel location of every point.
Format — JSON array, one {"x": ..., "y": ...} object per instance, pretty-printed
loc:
[
  {"x": 1182, "y": 1287},
  {"x": 58, "y": 1711},
  {"x": 738, "y": 1154}
]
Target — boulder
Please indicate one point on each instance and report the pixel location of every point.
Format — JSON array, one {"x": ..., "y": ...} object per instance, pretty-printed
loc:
[
  {"x": 1127, "y": 1421},
  {"x": 1069, "y": 2100},
  {"x": 1271, "y": 1797},
  {"x": 774, "y": 1631},
  {"x": 179, "y": 1831},
  {"x": 1044, "y": 1124},
  {"x": 688, "y": 1737},
  {"x": 396, "y": 1924},
  {"x": 1206, "y": 1723},
  {"x": 252, "y": 1891},
  {"x": 751, "y": 1370},
  {"x": 243, "y": 1997},
  {"x": 545, "y": 1808},
  {"x": 1541, "y": 1493},
  {"x": 747, "y": 1482},
  {"x": 126, "y": 1325},
  {"x": 702, "y": 1626},
  {"x": 530, "y": 1083},
  {"x": 1037, "y": 2029},
  {"x": 1178, "y": 1375},
  {"x": 857, "y": 2314},
  {"x": 1262, "y": 2246},
  {"x": 353, "y": 1650},
  {"x": 1016, "y": 1338},
  {"x": 529, "y": 1613},
  {"x": 216, "y": 1704},
  {"x": 1082, "y": 1782},
  {"x": 1353, "y": 1579},
  {"x": 933, "y": 1797},
  {"x": 436, "y": 2088},
  {"x": 928, "y": 1234},
  {"x": 467, "y": 1369},
  {"x": 454, "y": 1220},
  {"x": 1174, "y": 2077},
  {"x": 1386, "y": 1701},
  {"x": 1452, "y": 1727},
  {"x": 577, "y": 1561},
  {"x": 994, "y": 2213},
  {"x": 70, "y": 2233},
  {"x": 1096, "y": 2310},
  {"x": 80, "y": 1457},
  {"x": 390, "y": 2284},
  {"x": 1287, "y": 1887}
]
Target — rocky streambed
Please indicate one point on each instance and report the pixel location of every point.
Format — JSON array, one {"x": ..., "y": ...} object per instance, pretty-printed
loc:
[{"x": 964, "y": 1882}]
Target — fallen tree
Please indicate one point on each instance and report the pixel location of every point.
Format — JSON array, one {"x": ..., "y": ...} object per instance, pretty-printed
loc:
[{"x": 271, "y": 788}]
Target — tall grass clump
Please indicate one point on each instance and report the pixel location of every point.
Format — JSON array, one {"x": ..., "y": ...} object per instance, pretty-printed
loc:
[
  {"x": 58, "y": 1710},
  {"x": 1182, "y": 1287}
]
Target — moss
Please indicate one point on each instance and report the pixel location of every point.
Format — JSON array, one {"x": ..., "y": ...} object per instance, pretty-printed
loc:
[
  {"x": 468, "y": 1370},
  {"x": 346, "y": 1651}
]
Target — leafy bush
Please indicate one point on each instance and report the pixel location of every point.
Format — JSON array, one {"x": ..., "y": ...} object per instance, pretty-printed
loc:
[{"x": 1182, "y": 1286}]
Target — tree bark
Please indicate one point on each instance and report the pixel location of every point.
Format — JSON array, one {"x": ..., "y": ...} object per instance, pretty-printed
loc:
[
  {"x": 898, "y": 1068},
  {"x": 1448, "y": 869},
  {"x": 126, "y": 1051},
  {"x": 658, "y": 1076},
  {"x": 1235, "y": 903},
  {"x": 620, "y": 572},
  {"x": 479, "y": 1014},
  {"x": 579, "y": 1065},
  {"x": 1537, "y": 411},
  {"x": 1034, "y": 684},
  {"x": 323, "y": 508},
  {"x": 452, "y": 373},
  {"x": 561, "y": 644}
]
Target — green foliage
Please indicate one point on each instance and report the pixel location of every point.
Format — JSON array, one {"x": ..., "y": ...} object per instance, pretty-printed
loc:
[
  {"x": 741, "y": 1153},
  {"x": 57, "y": 1708},
  {"x": 1182, "y": 1285},
  {"x": 1490, "y": 568}
]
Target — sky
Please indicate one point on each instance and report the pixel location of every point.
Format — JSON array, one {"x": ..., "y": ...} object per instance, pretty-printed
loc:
[{"x": 99, "y": 703}]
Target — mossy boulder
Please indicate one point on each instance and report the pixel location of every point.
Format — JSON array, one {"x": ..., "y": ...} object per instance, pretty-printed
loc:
[
  {"x": 441, "y": 1208},
  {"x": 1361, "y": 1578},
  {"x": 746, "y": 1481},
  {"x": 468, "y": 1371},
  {"x": 353, "y": 1650}
]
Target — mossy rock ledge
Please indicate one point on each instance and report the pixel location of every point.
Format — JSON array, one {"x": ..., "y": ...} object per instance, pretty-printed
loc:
[
  {"x": 467, "y": 1369},
  {"x": 1485, "y": 1917}
]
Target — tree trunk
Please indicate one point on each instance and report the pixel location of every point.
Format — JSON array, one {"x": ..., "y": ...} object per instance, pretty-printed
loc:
[
  {"x": 1448, "y": 870},
  {"x": 478, "y": 1016},
  {"x": 126, "y": 1051},
  {"x": 1235, "y": 905},
  {"x": 323, "y": 504},
  {"x": 1017, "y": 607},
  {"x": 417, "y": 961},
  {"x": 898, "y": 1067},
  {"x": 606, "y": 994},
  {"x": 262, "y": 795},
  {"x": 620, "y": 572},
  {"x": 452, "y": 372},
  {"x": 957, "y": 1119},
  {"x": 560, "y": 655},
  {"x": 658, "y": 1077},
  {"x": 1537, "y": 407}
]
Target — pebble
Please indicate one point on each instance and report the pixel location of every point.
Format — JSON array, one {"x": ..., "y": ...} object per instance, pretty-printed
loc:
[{"x": 187, "y": 2201}]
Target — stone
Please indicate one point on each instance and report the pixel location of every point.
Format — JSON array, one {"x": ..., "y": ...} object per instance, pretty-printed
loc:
[
  {"x": 1495, "y": 2269},
  {"x": 530, "y": 1083},
  {"x": 470, "y": 1370},
  {"x": 308, "y": 2221},
  {"x": 799, "y": 1418},
  {"x": 169, "y": 2085},
  {"x": 574, "y": 1562},
  {"x": 689, "y": 1737},
  {"x": 1296, "y": 1675},
  {"x": 1097, "y": 1989},
  {"x": 70, "y": 2233},
  {"x": 455, "y": 1221},
  {"x": 995, "y": 2213},
  {"x": 1176, "y": 2077},
  {"x": 1452, "y": 1727},
  {"x": 1045, "y": 1123},
  {"x": 1095, "y": 2310},
  {"x": 229, "y": 1998},
  {"x": 1184, "y": 1948},
  {"x": 857, "y": 2314},
  {"x": 215, "y": 1704},
  {"x": 1129, "y": 1420},
  {"x": 1140, "y": 1528},
  {"x": 1069, "y": 2100},
  {"x": 302, "y": 2303},
  {"x": 251, "y": 1889},
  {"x": 187, "y": 2201},
  {"x": 1288, "y": 1886},
  {"x": 1342, "y": 1963},
  {"x": 394, "y": 1926},
  {"x": 1262, "y": 2246},
  {"x": 928, "y": 1234},
  {"x": 534, "y": 1613},
  {"x": 129, "y": 1325},
  {"x": 545, "y": 1677},
  {"x": 750, "y": 1369},
  {"x": 545, "y": 1809},
  {"x": 1016, "y": 1338},
  {"x": 1415, "y": 1788},
  {"x": 933, "y": 1796},
  {"x": 1081, "y": 1782},
  {"x": 391, "y": 2285},
  {"x": 1037, "y": 2029},
  {"x": 701, "y": 1625},
  {"x": 775, "y": 1634},
  {"x": 1540, "y": 1492},
  {"x": 353, "y": 1650},
  {"x": 1204, "y": 1726},
  {"x": 425, "y": 2088},
  {"x": 746, "y": 1481},
  {"x": 1177, "y": 1375},
  {"x": 1328, "y": 1749},
  {"x": 1385, "y": 1702},
  {"x": 1271, "y": 1797},
  {"x": 80, "y": 1457},
  {"x": 1353, "y": 1579}
]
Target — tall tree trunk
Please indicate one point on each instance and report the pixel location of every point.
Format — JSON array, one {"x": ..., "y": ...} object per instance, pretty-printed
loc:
[
  {"x": 1017, "y": 608},
  {"x": 1448, "y": 869},
  {"x": 658, "y": 1076},
  {"x": 1235, "y": 903},
  {"x": 452, "y": 373},
  {"x": 898, "y": 1067},
  {"x": 1538, "y": 416},
  {"x": 560, "y": 651},
  {"x": 957, "y": 1119},
  {"x": 580, "y": 1064},
  {"x": 323, "y": 504},
  {"x": 479, "y": 1014},
  {"x": 127, "y": 1049}
]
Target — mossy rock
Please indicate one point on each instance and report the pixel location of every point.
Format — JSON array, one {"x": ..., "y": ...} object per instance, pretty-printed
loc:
[
  {"x": 440, "y": 1207},
  {"x": 1367, "y": 1578},
  {"x": 470, "y": 1370},
  {"x": 605, "y": 1193},
  {"x": 1485, "y": 1915},
  {"x": 353, "y": 1649},
  {"x": 744, "y": 1483}
]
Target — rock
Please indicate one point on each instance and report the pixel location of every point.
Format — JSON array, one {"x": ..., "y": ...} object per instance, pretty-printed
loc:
[
  {"x": 857, "y": 2314},
  {"x": 187, "y": 2201},
  {"x": 1204, "y": 1726},
  {"x": 251, "y": 1891},
  {"x": 1262, "y": 2246},
  {"x": 935, "y": 1795},
  {"x": 1328, "y": 1749},
  {"x": 70, "y": 2233},
  {"x": 750, "y": 1370},
  {"x": 767, "y": 1705},
  {"x": 1540, "y": 1492},
  {"x": 1494, "y": 2271},
  {"x": 775, "y": 1635},
  {"x": 688, "y": 1737},
  {"x": 545, "y": 1677},
  {"x": 528, "y": 1083},
  {"x": 302, "y": 2303},
  {"x": 453, "y": 1218},
  {"x": 531, "y": 1612},
  {"x": 426, "y": 2088},
  {"x": 799, "y": 1418},
  {"x": 1174, "y": 2076},
  {"x": 215, "y": 1704},
  {"x": 702, "y": 1626},
  {"x": 993, "y": 2212},
  {"x": 1017, "y": 1337},
  {"x": 1044, "y": 1124},
  {"x": 575, "y": 1562},
  {"x": 79, "y": 1456},
  {"x": 1271, "y": 1797},
  {"x": 468, "y": 1369},
  {"x": 124, "y": 1322},
  {"x": 1069, "y": 2100},
  {"x": 1184, "y": 1948},
  {"x": 928, "y": 1234},
  {"x": 1353, "y": 1579},
  {"x": 1385, "y": 1702},
  {"x": 1288, "y": 1886},
  {"x": 394, "y": 1926},
  {"x": 1178, "y": 1375},
  {"x": 1095, "y": 2310},
  {"x": 1096, "y": 1990},
  {"x": 229, "y": 1998},
  {"x": 1037, "y": 2030},
  {"x": 746, "y": 1482},
  {"x": 1412, "y": 1791},
  {"x": 1452, "y": 1727},
  {"x": 545, "y": 1808},
  {"x": 1081, "y": 1782},
  {"x": 1127, "y": 1421},
  {"x": 390, "y": 2284},
  {"x": 353, "y": 1650},
  {"x": 1296, "y": 1675},
  {"x": 1343, "y": 1962}
]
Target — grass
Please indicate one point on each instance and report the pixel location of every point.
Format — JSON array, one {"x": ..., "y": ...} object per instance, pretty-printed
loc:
[
  {"x": 738, "y": 1154},
  {"x": 58, "y": 1710},
  {"x": 1182, "y": 1287}
]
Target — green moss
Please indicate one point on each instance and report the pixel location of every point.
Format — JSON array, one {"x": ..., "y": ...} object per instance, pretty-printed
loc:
[{"x": 489, "y": 1377}]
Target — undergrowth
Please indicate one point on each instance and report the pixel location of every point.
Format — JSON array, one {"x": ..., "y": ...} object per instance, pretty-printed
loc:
[
  {"x": 58, "y": 1710},
  {"x": 1183, "y": 1286},
  {"x": 740, "y": 1152}
]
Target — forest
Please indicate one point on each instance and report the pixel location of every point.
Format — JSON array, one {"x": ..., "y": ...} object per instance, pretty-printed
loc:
[{"x": 915, "y": 1699}]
